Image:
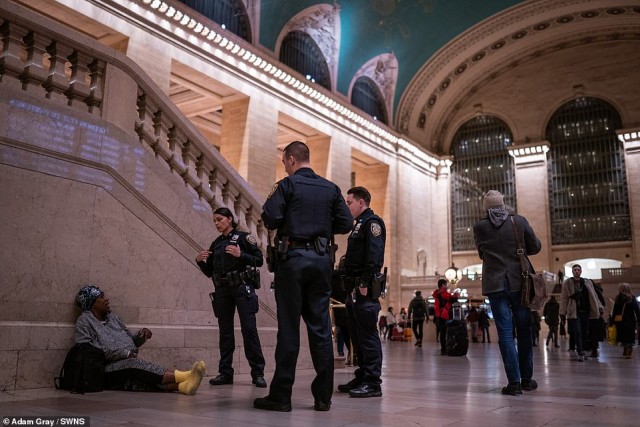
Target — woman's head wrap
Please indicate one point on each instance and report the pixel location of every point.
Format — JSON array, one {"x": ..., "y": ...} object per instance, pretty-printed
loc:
[{"x": 87, "y": 295}]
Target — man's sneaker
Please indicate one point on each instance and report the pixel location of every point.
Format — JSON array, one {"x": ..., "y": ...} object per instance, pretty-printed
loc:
[
  {"x": 346, "y": 388},
  {"x": 580, "y": 358},
  {"x": 512, "y": 389},
  {"x": 366, "y": 390},
  {"x": 529, "y": 385}
]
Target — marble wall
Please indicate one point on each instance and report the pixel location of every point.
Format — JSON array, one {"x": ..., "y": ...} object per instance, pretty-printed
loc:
[{"x": 84, "y": 202}]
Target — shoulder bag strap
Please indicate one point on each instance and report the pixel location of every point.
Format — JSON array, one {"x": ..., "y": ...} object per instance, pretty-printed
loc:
[{"x": 519, "y": 247}]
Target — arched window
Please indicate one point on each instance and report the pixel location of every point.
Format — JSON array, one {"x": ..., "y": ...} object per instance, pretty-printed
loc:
[
  {"x": 366, "y": 96},
  {"x": 228, "y": 13},
  {"x": 587, "y": 181},
  {"x": 481, "y": 163},
  {"x": 300, "y": 52}
]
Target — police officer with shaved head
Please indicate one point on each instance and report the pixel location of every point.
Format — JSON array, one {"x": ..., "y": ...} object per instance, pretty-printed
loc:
[
  {"x": 307, "y": 210},
  {"x": 363, "y": 262}
]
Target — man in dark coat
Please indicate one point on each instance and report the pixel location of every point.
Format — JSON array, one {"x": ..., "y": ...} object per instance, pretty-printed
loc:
[
  {"x": 552, "y": 319},
  {"x": 417, "y": 313},
  {"x": 495, "y": 238}
]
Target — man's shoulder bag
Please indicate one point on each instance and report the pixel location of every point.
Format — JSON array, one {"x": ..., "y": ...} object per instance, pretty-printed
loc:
[{"x": 534, "y": 287}]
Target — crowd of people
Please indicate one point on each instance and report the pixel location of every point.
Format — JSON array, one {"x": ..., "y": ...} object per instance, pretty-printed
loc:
[{"x": 305, "y": 281}]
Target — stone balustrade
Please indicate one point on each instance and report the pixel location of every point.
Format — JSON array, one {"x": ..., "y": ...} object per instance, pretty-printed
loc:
[{"x": 47, "y": 62}]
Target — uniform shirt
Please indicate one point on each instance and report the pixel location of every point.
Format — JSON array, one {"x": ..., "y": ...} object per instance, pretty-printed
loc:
[
  {"x": 221, "y": 262},
  {"x": 365, "y": 246},
  {"x": 304, "y": 206}
]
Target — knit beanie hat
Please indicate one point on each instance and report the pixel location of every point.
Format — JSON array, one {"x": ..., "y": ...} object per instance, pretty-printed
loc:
[{"x": 493, "y": 199}]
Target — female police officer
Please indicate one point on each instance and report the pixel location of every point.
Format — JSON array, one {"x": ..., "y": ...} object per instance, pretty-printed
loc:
[{"x": 231, "y": 262}]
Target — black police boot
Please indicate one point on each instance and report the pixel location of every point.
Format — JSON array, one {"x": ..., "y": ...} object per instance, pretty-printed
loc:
[
  {"x": 221, "y": 380},
  {"x": 321, "y": 406},
  {"x": 345, "y": 388},
  {"x": 259, "y": 382},
  {"x": 271, "y": 405}
]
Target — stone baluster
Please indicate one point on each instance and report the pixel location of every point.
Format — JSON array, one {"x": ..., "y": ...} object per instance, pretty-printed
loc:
[
  {"x": 57, "y": 81},
  {"x": 218, "y": 183},
  {"x": 190, "y": 156},
  {"x": 229, "y": 195},
  {"x": 78, "y": 91},
  {"x": 11, "y": 65},
  {"x": 162, "y": 124},
  {"x": 177, "y": 140},
  {"x": 34, "y": 73},
  {"x": 241, "y": 207},
  {"x": 144, "y": 126},
  {"x": 96, "y": 74},
  {"x": 204, "y": 168}
]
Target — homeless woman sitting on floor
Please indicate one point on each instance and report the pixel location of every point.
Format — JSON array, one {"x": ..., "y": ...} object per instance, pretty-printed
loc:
[{"x": 123, "y": 370}]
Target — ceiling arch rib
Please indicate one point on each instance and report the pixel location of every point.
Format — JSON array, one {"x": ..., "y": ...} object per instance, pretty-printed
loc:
[{"x": 496, "y": 46}]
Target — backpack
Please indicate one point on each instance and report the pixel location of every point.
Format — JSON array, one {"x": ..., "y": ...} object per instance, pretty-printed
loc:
[{"x": 83, "y": 370}]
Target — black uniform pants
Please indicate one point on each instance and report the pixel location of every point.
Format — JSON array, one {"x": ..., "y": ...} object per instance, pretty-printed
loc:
[
  {"x": 225, "y": 302},
  {"x": 363, "y": 319},
  {"x": 302, "y": 289}
]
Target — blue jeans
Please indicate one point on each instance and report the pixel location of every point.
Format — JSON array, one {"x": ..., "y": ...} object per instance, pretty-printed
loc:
[{"x": 507, "y": 311}]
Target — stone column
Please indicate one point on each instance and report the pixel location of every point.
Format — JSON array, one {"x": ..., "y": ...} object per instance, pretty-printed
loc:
[
  {"x": 631, "y": 139},
  {"x": 533, "y": 196}
]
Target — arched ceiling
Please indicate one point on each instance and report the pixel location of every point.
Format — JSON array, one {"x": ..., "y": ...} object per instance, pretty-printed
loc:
[{"x": 413, "y": 30}]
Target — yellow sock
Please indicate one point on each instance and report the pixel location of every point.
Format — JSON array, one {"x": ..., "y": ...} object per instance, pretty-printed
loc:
[
  {"x": 190, "y": 386},
  {"x": 181, "y": 376}
]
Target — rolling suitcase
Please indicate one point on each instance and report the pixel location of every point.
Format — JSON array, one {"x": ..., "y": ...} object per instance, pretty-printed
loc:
[
  {"x": 397, "y": 334},
  {"x": 457, "y": 337}
]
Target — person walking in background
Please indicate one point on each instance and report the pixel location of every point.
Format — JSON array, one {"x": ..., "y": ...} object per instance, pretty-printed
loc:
[
  {"x": 391, "y": 323},
  {"x": 579, "y": 302},
  {"x": 231, "y": 262},
  {"x": 473, "y": 317},
  {"x": 443, "y": 300},
  {"x": 495, "y": 238},
  {"x": 417, "y": 314},
  {"x": 307, "y": 210},
  {"x": 626, "y": 317},
  {"x": 535, "y": 327},
  {"x": 483, "y": 322},
  {"x": 362, "y": 278},
  {"x": 551, "y": 318}
]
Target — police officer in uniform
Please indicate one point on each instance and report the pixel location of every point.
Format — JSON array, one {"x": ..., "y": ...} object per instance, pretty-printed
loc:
[
  {"x": 363, "y": 261},
  {"x": 231, "y": 262},
  {"x": 306, "y": 209}
]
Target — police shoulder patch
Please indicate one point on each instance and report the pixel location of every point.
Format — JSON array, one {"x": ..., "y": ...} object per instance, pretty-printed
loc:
[
  {"x": 376, "y": 230},
  {"x": 273, "y": 190},
  {"x": 251, "y": 239}
]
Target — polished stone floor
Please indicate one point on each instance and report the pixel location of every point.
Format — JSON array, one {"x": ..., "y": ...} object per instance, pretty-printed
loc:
[{"x": 420, "y": 387}]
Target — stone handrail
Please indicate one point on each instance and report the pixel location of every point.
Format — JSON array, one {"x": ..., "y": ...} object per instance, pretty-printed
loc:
[{"x": 47, "y": 60}]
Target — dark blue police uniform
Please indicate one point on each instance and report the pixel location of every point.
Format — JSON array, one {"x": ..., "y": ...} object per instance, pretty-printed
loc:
[
  {"x": 364, "y": 258},
  {"x": 304, "y": 207},
  {"x": 234, "y": 288}
]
